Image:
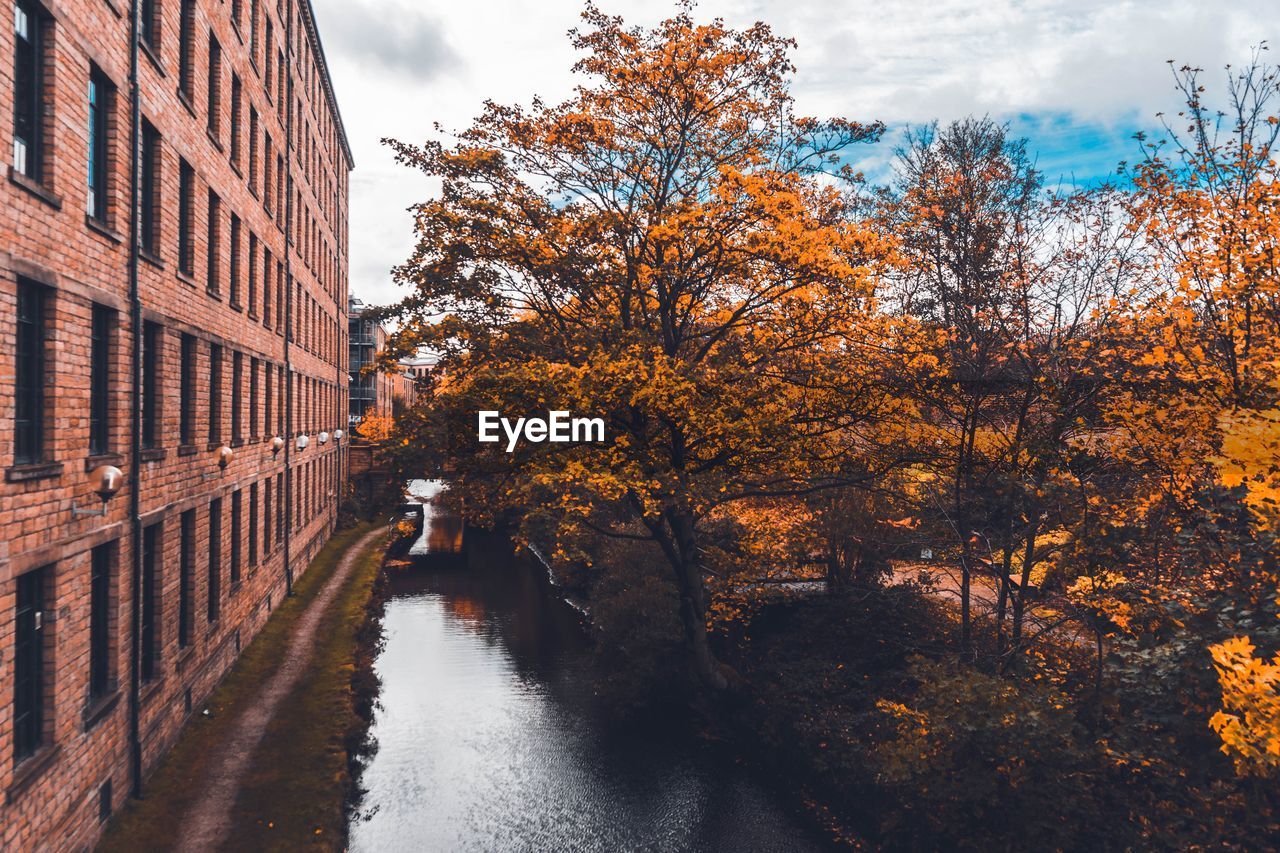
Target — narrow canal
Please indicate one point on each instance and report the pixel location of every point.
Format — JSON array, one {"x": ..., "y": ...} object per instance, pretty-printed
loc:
[{"x": 487, "y": 740}]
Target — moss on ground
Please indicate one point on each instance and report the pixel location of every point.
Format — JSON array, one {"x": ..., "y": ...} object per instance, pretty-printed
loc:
[{"x": 298, "y": 779}]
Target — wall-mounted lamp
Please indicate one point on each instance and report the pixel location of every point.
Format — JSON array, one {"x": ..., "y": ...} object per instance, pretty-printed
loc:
[
  {"x": 106, "y": 480},
  {"x": 277, "y": 444},
  {"x": 324, "y": 437},
  {"x": 225, "y": 455},
  {"x": 337, "y": 435},
  {"x": 303, "y": 441}
]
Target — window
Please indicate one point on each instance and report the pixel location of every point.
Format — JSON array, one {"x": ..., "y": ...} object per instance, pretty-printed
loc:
[
  {"x": 101, "y": 629},
  {"x": 235, "y": 261},
  {"x": 253, "y": 398},
  {"x": 280, "y": 401},
  {"x": 237, "y": 12},
  {"x": 236, "y": 508},
  {"x": 236, "y": 116},
  {"x": 237, "y": 398},
  {"x": 253, "y": 150},
  {"x": 29, "y": 664},
  {"x": 186, "y": 49},
  {"x": 213, "y": 273},
  {"x": 253, "y": 524},
  {"x": 215, "y": 558},
  {"x": 266, "y": 418},
  {"x": 28, "y": 89},
  {"x": 30, "y": 378},
  {"x": 150, "y": 408},
  {"x": 186, "y": 213},
  {"x": 187, "y": 381},
  {"x": 186, "y": 578},
  {"x": 215, "y": 392},
  {"x": 148, "y": 25},
  {"x": 105, "y": 799},
  {"x": 267, "y": 58},
  {"x": 253, "y": 274},
  {"x": 101, "y": 99},
  {"x": 214, "y": 95},
  {"x": 253, "y": 31},
  {"x": 149, "y": 190},
  {"x": 266, "y": 516},
  {"x": 100, "y": 380},
  {"x": 266, "y": 172},
  {"x": 280, "y": 500},
  {"x": 266, "y": 285},
  {"x": 149, "y": 615}
]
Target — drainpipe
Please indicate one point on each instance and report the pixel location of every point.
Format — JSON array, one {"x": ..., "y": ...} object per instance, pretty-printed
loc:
[
  {"x": 291, "y": 390},
  {"x": 135, "y": 416}
]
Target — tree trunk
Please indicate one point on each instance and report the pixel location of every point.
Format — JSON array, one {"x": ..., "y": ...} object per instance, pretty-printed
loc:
[
  {"x": 687, "y": 567},
  {"x": 1020, "y": 600}
]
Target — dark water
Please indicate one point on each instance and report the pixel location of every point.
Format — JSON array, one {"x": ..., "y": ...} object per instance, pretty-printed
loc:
[{"x": 487, "y": 740}]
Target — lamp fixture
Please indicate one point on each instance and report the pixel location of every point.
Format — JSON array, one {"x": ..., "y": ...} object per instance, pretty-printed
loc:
[
  {"x": 303, "y": 441},
  {"x": 277, "y": 444},
  {"x": 106, "y": 480}
]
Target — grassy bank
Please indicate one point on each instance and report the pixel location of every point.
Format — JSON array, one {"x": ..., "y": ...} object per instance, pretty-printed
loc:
[{"x": 296, "y": 788}]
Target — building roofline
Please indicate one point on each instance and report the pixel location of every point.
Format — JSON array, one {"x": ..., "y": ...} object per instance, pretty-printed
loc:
[{"x": 313, "y": 33}]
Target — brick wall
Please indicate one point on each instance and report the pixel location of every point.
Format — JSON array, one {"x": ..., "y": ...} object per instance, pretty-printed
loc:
[{"x": 52, "y": 799}]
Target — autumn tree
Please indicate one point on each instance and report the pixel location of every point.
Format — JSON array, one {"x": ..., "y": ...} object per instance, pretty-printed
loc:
[{"x": 672, "y": 249}]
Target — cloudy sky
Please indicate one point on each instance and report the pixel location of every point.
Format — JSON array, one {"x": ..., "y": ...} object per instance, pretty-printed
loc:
[{"x": 1077, "y": 77}]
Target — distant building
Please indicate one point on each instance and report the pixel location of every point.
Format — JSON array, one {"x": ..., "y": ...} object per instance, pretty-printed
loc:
[
  {"x": 381, "y": 392},
  {"x": 420, "y": 366}
]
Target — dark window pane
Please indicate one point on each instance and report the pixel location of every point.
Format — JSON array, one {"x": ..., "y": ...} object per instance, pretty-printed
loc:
[
  {"x": 236, "y": 510},
  {"x": 100, "y": 380},
  {"x": 149, "y": 615},
  {"x": 186, "y": 213},
  {"x": 150, "y": 409},
  {"x": 187, "y": 380},
  {"x": 29, "y": 381},
  {"x": 237, "y": 397},
  {"x": 149, "y": 189},
  {"x": 215, "y": 559},
  {"x": 186, "y": 46},
  {"x": 147, "y": 29},
  {"x": 100, "y": 620},
  {"x": 28, "y": 85},
  {"x": 215, "y": 392},
  {"x": 28, "y": 664},
  {"x": 186, "y": 577},
  {"x": 100, "y": 99}
]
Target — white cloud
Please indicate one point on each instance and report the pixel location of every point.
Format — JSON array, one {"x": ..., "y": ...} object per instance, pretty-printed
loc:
[{"x": 399, "y": 66}]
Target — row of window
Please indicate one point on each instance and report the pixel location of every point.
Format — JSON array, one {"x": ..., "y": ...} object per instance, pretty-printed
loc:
[
  {"x": 314, "y": 330},
  {"x": 259, "y": 526},
  {"x": 313, "y": 245},
  {"x": 32, "y": 26},
  {"x": 257, "y": 388}
]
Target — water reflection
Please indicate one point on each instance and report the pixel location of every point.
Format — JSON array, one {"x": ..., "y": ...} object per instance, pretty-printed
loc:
[
  {"x": 441, "y": 529},
  {"x": 487, "y": 740}
]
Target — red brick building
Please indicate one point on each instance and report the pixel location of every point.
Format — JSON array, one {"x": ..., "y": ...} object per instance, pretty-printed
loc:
[{"x": 173, "y": 278}]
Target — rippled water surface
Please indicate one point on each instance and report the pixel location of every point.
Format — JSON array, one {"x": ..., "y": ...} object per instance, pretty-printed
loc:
[{"x": 487, "y": 739}]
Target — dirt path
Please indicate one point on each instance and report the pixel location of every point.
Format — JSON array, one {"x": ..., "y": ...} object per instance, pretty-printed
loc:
[{"x": 208, "y": 821}]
